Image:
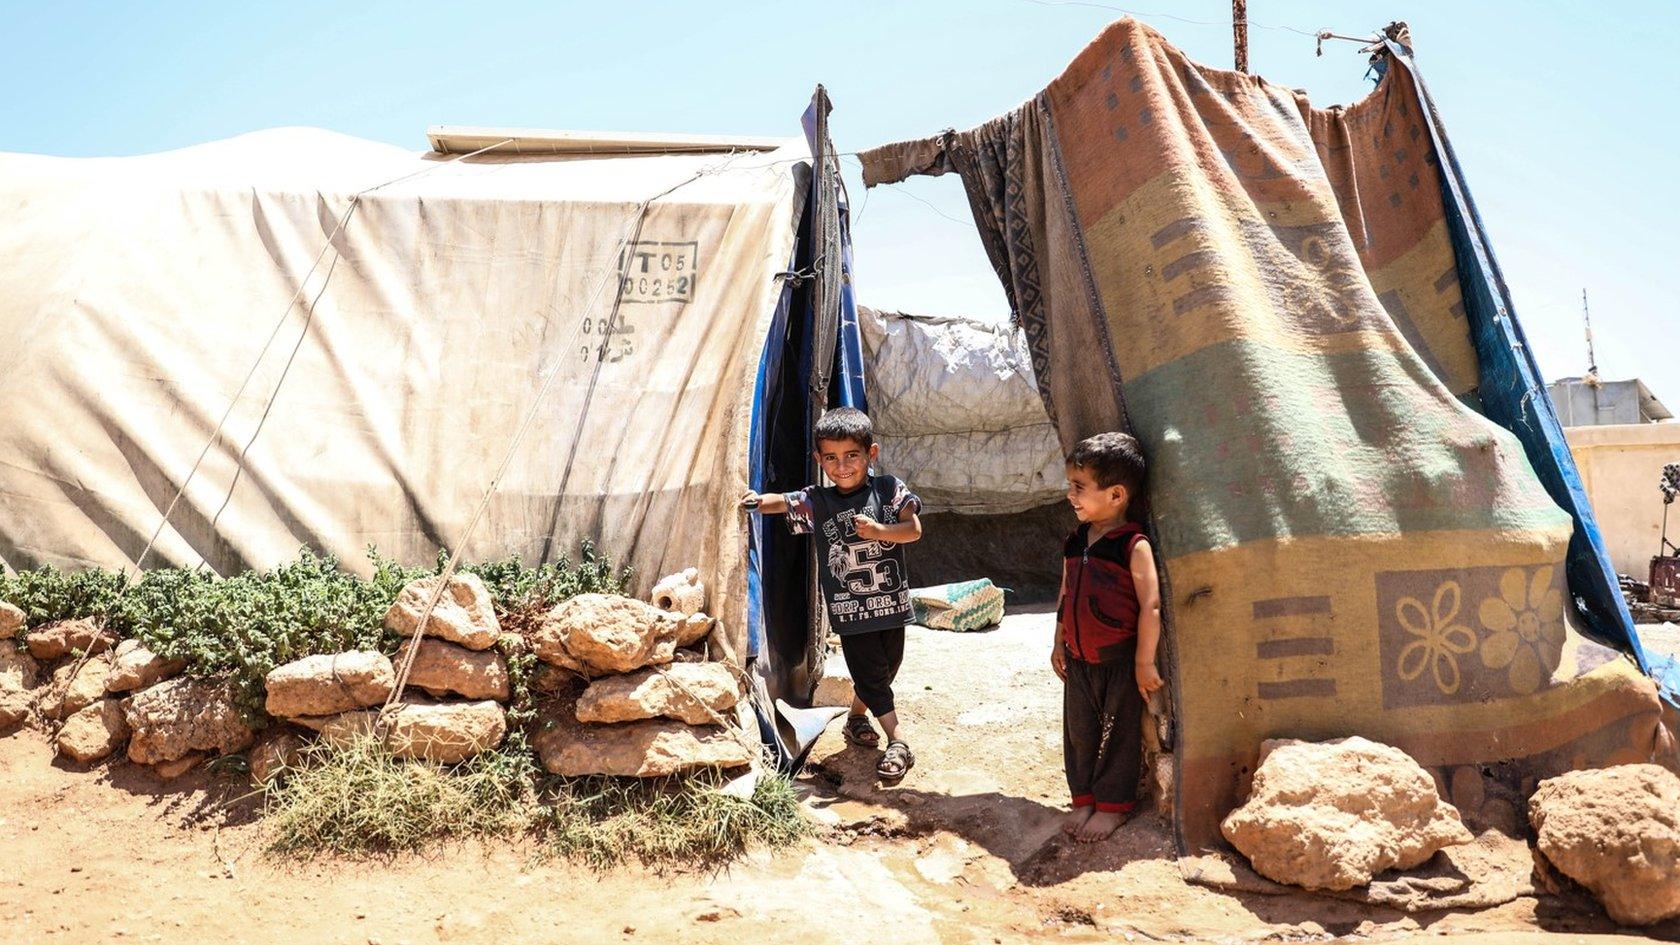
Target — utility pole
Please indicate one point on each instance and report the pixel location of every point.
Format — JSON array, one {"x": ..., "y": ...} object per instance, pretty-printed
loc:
[
  {"x": 1592, "y": 359},
  {"x": 1239, "y": 32}
]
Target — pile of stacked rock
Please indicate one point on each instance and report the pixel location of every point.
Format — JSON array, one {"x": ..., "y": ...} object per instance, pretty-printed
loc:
[
  {"x": 637, "y": 697},
  {"x": 629, "y": 688}
]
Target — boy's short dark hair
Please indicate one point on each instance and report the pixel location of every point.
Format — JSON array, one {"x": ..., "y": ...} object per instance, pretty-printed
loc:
[
  {"x": 846, "y": 423},
  {"x": 1113, "y": 459}
]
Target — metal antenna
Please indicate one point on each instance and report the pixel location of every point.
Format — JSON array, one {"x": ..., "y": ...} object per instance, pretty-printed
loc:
[{"x": 1592, "y": 359}]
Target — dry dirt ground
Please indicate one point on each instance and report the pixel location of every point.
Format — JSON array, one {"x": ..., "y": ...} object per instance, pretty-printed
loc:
[{"x": 965, "y": 850}]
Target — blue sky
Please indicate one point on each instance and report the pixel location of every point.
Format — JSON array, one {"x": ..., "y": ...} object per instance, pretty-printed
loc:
[{"x": 1565, "y": 120}]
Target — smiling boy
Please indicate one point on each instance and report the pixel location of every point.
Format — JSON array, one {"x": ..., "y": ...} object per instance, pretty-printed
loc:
[
  {"x": 1108, "y": 624},
  {"x": 861, "y": 524}
]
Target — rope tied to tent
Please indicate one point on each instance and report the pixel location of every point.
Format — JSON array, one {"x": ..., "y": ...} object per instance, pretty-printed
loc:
[{"x": 393, "y": 703}]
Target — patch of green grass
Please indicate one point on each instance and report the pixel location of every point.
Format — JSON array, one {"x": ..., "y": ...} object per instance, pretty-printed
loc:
[
  {"x": 355, "y": 798},
  {"x": 675, "y": 821}
]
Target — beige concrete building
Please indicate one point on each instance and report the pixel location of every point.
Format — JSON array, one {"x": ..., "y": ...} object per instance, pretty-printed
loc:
[{"x": 1621, "y": 465}]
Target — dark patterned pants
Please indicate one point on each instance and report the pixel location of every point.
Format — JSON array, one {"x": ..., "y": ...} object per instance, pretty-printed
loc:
[{"x": 1102, "y": 733}]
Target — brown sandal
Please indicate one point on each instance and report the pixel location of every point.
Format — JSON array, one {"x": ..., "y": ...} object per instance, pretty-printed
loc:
[
  {"x": 896, "y": 763},
  {"x": 860, "y": 733}
]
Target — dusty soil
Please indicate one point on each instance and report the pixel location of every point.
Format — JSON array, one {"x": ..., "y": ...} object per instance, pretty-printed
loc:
[{"x": 965, "y": 850}]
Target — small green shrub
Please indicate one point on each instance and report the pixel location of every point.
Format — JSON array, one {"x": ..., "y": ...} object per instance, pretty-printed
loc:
[
  {"x": 47, "y": 594},
  {"x": 244, "y": 626}
]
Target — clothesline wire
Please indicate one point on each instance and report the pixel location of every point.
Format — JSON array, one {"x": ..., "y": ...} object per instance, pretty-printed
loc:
[{"x": 1315, "y": 34}]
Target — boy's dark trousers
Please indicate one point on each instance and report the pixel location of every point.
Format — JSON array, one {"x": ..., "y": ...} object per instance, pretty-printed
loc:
[{"x": 1102, "y": 733}]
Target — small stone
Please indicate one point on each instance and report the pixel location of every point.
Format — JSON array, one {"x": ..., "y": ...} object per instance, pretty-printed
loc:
[
  {"x": 170, "y": 770},
  {"x": 94, "y": 732},
  {"x": 179, "y": 716},
  {"x": 442, "y": 668},
  {"x": 329, "y": 683},
  {"x": 277, "y": 750},
  {"x": 18, "y": 675},
  {"x": 82, "y": 635},
  {"x": 136, "y": 667},
  {"x": 834, "y": 688},
  {"x": 1331, "y": 815},
  {"x": 75, "y": 685},
  {"x": 12, "y": 620},
  {"x": 694, "y": 628},
  {"x": 681, "y": 593},
  {"x": 1615, "y": 831},
  {"x": 465, "y": 613},
  {"x": 696, "y": 693}
]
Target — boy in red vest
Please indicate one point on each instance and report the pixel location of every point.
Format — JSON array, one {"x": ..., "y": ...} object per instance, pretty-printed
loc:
[{"x": 1108, "y": 624}]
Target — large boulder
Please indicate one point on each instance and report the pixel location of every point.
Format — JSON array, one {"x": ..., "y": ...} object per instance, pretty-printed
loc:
[
  {"x": 605, "y": 633},
  {"x": 1331, "y": 815},
  {"x": 633, "y": 749},
  {"x": 834, "y": 687},
  {"x": 82, "y": 635},
  {"x": 696, "y": 693},
  {"x": 681, "y": 593},
  {"x": 75, "y": 686},
  {"x": 180, "y": 716},
  {"x": 94, "y": 732},
  {"x": 329, "y": 684},
  {"x": 18, "y": 675},
  {"x": 135, "y": 667},
  {"x": 465, "y": 614},
  {"x": 1615, "y": 831},
  {"x": 442, "y": 668},
  {"x": 438, "y": 732},
  {"x": 12, "y": 620}
]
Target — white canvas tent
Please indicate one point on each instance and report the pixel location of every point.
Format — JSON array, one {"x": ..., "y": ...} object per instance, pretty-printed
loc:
[{"x": 376, "y": 324}]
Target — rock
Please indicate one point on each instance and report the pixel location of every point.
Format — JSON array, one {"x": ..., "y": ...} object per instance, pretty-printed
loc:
[
  {"x": 465, "y": 614},
  {"x": 694, "y": 628},
  {"x": 328, "y": 684},
  {"x": 179, "y": 716},
  {"x": 12, "y": 620},
  {"x": 1615, "y": 831},
  {"x": 438, "y": 732},
  {"x": 136, "y": 667},
  {"x": 551, "y": 678},
  {"x": 696, "y": 693},
  {"x": 18, "y": 674},
  {"x": 441, "y": 668},
  {"x": 681, "y": 593},
  {"x": 94, "y": 732},
  {"x": 170, "y": 770},
  {"x": 834, "y": 688},
  {"x": 278, "y": 750},
  {"x": 634, "y": 749},
  {"x": 1331, "y": 815},
  {"x": 605, "y": 633},
  {"x": 59, "y": 639},
  {"x": 68, "y": 694}
]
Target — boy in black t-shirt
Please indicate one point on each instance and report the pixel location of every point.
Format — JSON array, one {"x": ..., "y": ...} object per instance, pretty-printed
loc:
[{"x": 861, "y": 524}]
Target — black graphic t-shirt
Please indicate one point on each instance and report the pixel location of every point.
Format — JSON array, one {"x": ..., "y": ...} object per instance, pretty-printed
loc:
[{"x": 863, "y": 582}]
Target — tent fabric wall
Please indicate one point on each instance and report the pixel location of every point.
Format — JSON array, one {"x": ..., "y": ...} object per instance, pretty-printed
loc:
[
  {"x": 957, "y": 413},
  {"x": 136, "y": 293},
  {"x": 1350, "y": 545}
]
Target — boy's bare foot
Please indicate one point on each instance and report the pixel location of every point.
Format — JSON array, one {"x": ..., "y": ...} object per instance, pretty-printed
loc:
[
  {"x": 1076, "y": 819},
  {"x": 1099, "y": 826}
]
